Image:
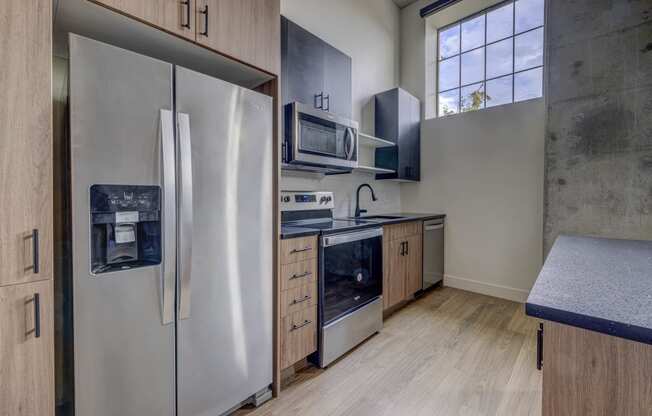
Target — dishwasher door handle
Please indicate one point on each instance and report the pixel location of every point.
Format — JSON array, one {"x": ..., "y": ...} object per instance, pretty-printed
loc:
[{"x": 434, "y": 227}]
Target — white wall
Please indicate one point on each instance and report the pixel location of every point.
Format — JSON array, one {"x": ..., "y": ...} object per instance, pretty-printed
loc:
[
  {"x": 368, "y": 31},
  {"x": 483, "y": 169}
]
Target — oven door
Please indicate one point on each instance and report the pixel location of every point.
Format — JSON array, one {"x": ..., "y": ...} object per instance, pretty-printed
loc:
[
  {"x": 351, "y": 273},
  {"x": 322, "y": 139}
]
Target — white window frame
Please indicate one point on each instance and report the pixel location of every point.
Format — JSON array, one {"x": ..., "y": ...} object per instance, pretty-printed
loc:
[{"x": 457, "y": 14}]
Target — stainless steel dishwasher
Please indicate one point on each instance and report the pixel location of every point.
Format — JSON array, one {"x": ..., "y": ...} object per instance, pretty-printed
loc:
[{"x": 433, "y": 252}]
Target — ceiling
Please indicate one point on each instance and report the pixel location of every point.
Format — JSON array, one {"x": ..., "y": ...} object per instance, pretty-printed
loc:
[{"x": 403, "y": 3}]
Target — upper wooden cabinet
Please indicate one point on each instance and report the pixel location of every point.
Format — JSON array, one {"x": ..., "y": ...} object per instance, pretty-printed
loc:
[
  {"x": 25, "y": 141},
  {"x": 247, "y": 30},
  {"x": 175, "y": 16},
  {"x": 27, "y": 348}
]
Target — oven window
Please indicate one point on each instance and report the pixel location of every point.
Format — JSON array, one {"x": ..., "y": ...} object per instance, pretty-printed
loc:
[{"x": 352, "y": 276}]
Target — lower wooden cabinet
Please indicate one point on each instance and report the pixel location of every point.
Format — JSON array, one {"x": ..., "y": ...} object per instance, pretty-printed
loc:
[
  {"x": 27, "y": 350},
  {"x": 402, "y": 262},
  {"x": 298, "y": 300},
  {"x": 589, "y": 373},
  {"x": 299, "y": 336}
]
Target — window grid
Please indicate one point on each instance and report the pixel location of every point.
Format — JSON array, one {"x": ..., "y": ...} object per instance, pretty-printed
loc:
[{"x": 485, "y": 45}]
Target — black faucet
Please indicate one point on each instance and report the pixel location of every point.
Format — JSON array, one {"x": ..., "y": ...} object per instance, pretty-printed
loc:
[{"x": 359, "y": 211}]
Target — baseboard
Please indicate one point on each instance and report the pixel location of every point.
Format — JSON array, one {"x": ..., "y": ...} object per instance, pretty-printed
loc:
[{"x": 489, "y": 289}]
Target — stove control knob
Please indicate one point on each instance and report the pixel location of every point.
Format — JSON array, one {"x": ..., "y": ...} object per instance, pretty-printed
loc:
[{"x": 285, "y": 199}]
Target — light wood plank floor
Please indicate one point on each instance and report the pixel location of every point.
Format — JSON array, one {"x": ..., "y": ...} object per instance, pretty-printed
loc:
[{"x": 448, "y": 353}]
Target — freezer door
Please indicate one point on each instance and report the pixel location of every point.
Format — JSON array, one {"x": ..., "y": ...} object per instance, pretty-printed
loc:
[
  {"x": 124, "y": 350},
  {"x": 224, "y": 342}
]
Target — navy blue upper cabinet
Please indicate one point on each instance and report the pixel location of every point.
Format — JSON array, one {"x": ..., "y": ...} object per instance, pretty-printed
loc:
[
  {"x": 398, "y": 119},
  {"x": 313, "y": 72}
]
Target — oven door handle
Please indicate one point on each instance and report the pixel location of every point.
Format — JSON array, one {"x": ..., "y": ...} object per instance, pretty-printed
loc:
[{"x": 333, "y": 240}]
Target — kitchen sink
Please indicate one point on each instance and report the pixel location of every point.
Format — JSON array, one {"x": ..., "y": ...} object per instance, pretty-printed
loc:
[{"x": 380, "y": 217}]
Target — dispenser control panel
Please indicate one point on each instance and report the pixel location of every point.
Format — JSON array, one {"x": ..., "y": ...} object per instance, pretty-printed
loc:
[{"x": 125, "y": 227}]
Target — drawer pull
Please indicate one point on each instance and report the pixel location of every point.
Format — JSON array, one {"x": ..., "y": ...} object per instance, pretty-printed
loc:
[
  {"x": 299, "y": 276},
  {"x": 295, "y": 326},
  {"x": 297, "y": 301},
  {"x": 186, "y": 4},
  {"x": 300, "y": 250}
]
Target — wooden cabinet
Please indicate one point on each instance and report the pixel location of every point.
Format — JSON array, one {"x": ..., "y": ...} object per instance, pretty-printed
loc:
[
  {"x": 314, "y": 73},
  {"x": 26, "y": 226},
  {"x": 247, "y": 30},
  {"x": 174, "y": 16},
  {"x": 414, "y": 274},
  {"x": 394, "y": 272},
  {"x": 25, "y": 142},
  {"x": 26, "y": 350},
  {"x": 403, "y": 262},
  {"x": 398, "y": 119},
  {"x": 298, "y": 299},
  {"x": 589, "y": 373}
]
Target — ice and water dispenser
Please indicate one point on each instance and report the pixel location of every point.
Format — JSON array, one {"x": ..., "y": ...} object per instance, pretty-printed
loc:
[{"x": 125, "y": 227}]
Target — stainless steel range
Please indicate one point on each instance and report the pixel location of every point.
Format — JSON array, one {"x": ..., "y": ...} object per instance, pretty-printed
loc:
[{"x": 350, "y": 272}]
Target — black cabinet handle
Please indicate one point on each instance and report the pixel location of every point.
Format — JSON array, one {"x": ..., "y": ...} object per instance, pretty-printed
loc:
[
  {"x": 205, "y": 13},
  {"x": 402, "y": 248},
  {"x": 295, "y": 326},
  {"x": 540, "y": 347},
  {"x": 407, "y": 248},
  {"x": 297, "y": 301},
  {"x": 328, "y": 102},
  {"x": 319, "y": 97},
  {"x": 300, "y": 250},
  {"x": 186, "y": 4},
  {"x": 299, "y": 276},
  {"x": 37, "y": 315},
  {"x": 35, "y": 251}
]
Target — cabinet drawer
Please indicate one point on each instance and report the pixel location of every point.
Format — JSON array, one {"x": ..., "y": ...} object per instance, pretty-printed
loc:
[
  {"x": 298, "y": 249},
  {"x": 298, "y": 274},
  {"x": 406, "y": 229},
  {"x": 297, "y": 299},
  {"x": 299, "y": 336}
]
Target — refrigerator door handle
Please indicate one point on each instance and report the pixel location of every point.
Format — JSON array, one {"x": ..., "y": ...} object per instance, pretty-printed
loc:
[
  {"x": 169, "y": 214},
  {"x": 185, "y": 223}
]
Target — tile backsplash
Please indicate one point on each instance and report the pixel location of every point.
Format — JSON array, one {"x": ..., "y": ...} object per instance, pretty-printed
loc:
[{"x": 344, "y": 187}]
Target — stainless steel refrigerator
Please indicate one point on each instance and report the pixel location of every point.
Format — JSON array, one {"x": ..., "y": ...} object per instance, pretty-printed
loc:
[{"x": 171, "y": 193}]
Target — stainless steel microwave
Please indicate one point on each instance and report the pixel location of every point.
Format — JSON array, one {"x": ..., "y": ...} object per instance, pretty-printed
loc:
[{"x": 316, "y": 138}]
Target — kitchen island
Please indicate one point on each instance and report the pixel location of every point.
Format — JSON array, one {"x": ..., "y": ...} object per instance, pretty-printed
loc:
[{"x": 594, "y": 297}]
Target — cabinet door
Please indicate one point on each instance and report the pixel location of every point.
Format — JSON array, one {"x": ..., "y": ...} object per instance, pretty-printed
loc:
[
  {"x": 337, "y": 82},
  {"x": 25, "y": 141},
  {"x": 414, "y": 281},
  {"x": 26, "y": 358},
  {"x": 303, "y": 65},
  {"x": 395, "y": 272},
  {"x": 247, "y": 30},
  {"x": 174, "y": 16}
]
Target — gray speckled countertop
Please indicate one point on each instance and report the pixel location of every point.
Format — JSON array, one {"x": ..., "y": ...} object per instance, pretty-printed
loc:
[{"x": 600, "y": 284}]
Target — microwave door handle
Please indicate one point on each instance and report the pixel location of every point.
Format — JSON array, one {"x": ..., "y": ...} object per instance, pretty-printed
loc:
[
  {"x": 168, "y": 272},
  {"x": 185, "y": 216},
  {"x": 349, "y": 147}
]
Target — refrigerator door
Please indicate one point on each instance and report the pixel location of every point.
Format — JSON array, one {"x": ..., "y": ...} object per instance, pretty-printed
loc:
[
  {"x": 224, "y": 342},
  {"x": 124, "y": 351}
]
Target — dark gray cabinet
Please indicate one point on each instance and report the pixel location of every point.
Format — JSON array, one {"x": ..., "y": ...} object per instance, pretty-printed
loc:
[
  {"x": 398, "y": 119},
  {"x": 313, "y": 72}
]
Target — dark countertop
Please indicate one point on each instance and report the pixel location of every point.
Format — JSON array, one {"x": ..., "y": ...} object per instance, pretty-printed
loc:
[
  {"x": 409, "y": 216},
  {"x": 599, "y": 284},
  {"x": 293, "y": 232}
]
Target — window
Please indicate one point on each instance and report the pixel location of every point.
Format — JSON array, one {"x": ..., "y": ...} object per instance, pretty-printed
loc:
[{"x": 491, "y": 58}]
